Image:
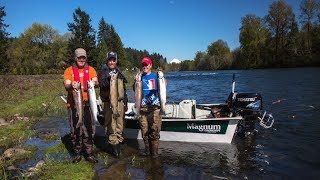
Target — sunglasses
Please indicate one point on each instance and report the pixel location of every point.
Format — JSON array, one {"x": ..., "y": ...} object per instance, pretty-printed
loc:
[
  {"x": 144, "y": 64},
  {"x": 112, "y": 59}
]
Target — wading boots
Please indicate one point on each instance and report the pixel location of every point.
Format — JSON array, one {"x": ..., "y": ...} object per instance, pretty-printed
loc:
[
  {"x": 91, "y": 159},
  {"x": 76, "y": 159},
  {"x": 146, "y": 147},
  {"x": 116, "y": 150},
  {"x": 154, "y": 148}
]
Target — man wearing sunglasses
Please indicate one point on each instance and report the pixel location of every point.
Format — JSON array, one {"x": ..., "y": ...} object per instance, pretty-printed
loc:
[
  {"x": 113, "y": 123},
  {"x": 82, "y": 130}
]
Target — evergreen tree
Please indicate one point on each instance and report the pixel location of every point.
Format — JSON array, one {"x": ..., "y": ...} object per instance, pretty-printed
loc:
[
  {"x": 108, "y": 39},
  {"x": 117, "y": 46},
  {"x": 84, "y": 36},
  {"x": 3, "y": 41}
]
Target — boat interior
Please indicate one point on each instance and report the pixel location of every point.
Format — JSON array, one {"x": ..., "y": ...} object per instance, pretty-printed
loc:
[{"x": 188, "y": 109}]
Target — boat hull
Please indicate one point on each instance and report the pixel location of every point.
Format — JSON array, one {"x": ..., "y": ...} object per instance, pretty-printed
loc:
[{"x": 211, "y": 130}]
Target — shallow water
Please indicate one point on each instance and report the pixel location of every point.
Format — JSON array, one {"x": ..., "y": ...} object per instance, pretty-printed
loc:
[{"x": 287, "y": 150}]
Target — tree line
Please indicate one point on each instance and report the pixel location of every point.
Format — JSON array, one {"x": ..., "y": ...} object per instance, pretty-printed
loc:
[
  {"x": 274, "y": 41},
  {"x": 40, "y": 49},
  {"x": 279, "y": 39}
]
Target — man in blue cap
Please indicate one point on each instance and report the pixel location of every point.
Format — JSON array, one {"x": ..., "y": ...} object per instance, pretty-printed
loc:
[{"x": 113, "y": 123}]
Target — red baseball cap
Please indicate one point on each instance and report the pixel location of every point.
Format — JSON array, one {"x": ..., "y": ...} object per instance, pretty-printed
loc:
[{"x": 146, "y": 60}]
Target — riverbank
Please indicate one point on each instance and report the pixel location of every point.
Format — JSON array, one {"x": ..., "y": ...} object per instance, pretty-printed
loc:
[{"x": 26, "y": 101}]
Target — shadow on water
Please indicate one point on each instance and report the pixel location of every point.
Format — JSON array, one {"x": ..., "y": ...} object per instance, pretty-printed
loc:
[{"x": 186, "y": 161}]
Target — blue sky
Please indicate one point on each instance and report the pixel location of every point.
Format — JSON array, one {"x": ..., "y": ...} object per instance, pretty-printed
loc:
[{"x": 173, "y": 28}]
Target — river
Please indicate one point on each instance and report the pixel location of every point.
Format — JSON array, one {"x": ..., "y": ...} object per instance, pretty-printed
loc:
[{"x": 288, "y": 150}]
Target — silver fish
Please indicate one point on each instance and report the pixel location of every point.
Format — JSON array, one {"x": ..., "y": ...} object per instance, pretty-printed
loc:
[
  {"x": 93, "y": 102},
  {"x": 114, "y": 94},
  {"x": 138, "y": 93},
  {"x": 78, "y": 102},
  {"x": 162, "y": 89}
]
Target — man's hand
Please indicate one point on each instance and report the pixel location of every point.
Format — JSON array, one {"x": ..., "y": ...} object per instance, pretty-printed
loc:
[
  {"x": 67, "y": 84},
  {"x": 74, "y": 84}
]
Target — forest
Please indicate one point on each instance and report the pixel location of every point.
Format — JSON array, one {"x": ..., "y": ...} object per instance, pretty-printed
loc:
[{"x": 280, "y": 39}]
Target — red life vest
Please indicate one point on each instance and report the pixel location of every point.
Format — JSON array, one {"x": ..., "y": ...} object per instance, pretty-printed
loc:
[{"x": 85, "y": 76}]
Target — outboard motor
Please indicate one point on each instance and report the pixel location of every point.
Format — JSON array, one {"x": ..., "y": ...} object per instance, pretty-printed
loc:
[{"x": 249, "y": 106}]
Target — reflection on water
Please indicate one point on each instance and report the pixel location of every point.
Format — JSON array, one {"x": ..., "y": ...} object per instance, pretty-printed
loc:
[{"x": 177, "y": 159}]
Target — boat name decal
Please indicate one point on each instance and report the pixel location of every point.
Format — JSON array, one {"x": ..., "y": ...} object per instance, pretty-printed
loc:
[
  {"x": 247, "y": 99},
  {"x": 205, "y": 128}
]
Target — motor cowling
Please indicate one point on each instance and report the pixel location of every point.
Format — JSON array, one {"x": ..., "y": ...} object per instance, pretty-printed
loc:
[{"x": 248, "y": 101}]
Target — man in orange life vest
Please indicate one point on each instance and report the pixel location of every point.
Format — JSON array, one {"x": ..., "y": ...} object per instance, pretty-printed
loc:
[{"x": 82, "y": 133}]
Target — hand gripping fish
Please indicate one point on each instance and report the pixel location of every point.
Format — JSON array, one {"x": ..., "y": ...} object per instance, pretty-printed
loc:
[
  {"x": 162, "y": 89},
  {"x": 78, "y": 103},
  {"x": 138, "y": 93},
  {"x": 114, "y": 94},
  {"x": 93, "y": 102}
]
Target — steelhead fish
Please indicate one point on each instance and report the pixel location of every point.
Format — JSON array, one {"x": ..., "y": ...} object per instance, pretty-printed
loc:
[
  {"x": 138, "y": 93},
  {"x": 162, "y": 89},
  {"x": 93, "y": 101},
  {"x": 114, "y": 94},
  {"x": 78, "y": 103}
]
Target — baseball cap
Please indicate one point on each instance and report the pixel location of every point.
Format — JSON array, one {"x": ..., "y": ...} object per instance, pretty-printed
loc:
[
  {"x": 146, "y": 60},
  {"x": 111, "y": 54},
  {"x": 80, "y": 52}
]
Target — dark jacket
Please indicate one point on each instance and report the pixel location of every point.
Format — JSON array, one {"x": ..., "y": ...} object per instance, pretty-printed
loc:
[{"x": 104, "y": 83}]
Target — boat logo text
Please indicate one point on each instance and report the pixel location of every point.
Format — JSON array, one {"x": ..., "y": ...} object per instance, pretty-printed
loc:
[
  {"x": 247, "y": 99},
  {"x": 209, "y": 128}
]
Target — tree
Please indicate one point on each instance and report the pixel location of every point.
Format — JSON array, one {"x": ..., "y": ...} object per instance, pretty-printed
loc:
[
  {"x": 309, "y": 10},
  {"x": 279, "y": 20},
  {"x": 59, "y": 51},
  {"x": 109, "y": 39},
  {"x": 186, "y": 65},
  {"x": 253, "y": 37},
  {"x": 221, "y": 53},
  {"x": 84, "y": 36},
  {"x": 3, "y": 41},
  {"x": 118, "y": 47},
  {"x": 33, "y": 49},
  {"x": 197, "y": 60}
]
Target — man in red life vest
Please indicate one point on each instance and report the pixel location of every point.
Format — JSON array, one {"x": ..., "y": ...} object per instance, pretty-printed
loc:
[{"x": 82, "y": 130}]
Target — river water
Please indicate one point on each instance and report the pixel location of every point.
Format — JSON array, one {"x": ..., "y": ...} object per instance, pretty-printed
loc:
[{"x": 288, "y": 150}]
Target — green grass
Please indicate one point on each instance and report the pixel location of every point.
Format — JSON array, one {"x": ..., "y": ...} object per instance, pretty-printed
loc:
[
  {"x": 16, "y": 133},
  {"x": 66, "y": 170},
  {"x": 35, "y": 96},
  {"x": 31, "y": 95},
  {"x": 56, "y": 149}
]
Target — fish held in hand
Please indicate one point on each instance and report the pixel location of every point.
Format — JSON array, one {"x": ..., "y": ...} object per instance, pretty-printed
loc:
[
  {"x": 162, "y": 89},
  {"x": 93, "y": 102},
  {"x": 114, "y": 94},
  {"x": 138, "y": 93},
  {"x": 78, "y": 102}
]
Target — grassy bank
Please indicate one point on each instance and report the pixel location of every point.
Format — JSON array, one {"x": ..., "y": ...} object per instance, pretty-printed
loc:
[
  {"x": 25, "y": 100},
  {"x": 31, "y": 96},
  {"x": 35, "y": 95}
]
